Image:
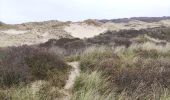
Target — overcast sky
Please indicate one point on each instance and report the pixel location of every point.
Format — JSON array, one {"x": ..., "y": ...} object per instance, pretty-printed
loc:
[{"x": 18, "y": 11}]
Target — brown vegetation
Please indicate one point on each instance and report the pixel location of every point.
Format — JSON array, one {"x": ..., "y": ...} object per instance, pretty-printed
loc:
[{"x": 26, "y": 63}]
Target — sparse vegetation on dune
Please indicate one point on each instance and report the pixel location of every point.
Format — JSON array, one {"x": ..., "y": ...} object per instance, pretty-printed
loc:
[
  {"x": 144, "y": 19},
  {"x": 111, "y": 38},
  {"x": 115, "y": 65},
  {"x": 134, "y": 64},
  {"x": 134, "y": 73},
  {"x": 4, "y": 26},
  {"x": 93, "y": 22}
]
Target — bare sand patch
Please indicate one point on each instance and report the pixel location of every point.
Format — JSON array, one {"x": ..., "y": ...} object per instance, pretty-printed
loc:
[
  {"x": 71, "y": 80},
  {"x": 83, "y": 30},
  {"x": 74, "y": 73},
  {"x": 14, "y": 32}
]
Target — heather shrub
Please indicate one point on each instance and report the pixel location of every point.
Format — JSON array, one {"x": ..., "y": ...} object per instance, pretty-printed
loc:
[
  {"x": 153, "y": 53},
  {"x": 28, "y": 63},
  {"x": 132, "y": 73},
  {"x": 41, "y": 63},
  {"x": 61, "y": 42},
  {"x": 146, "y": 74},
  {"x": 141, "y": 39},
  {"x": 147, "y": 80}
]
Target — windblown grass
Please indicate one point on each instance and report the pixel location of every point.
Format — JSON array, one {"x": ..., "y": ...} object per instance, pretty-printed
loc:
[
  {"x": 40, "y": 90},
  {"x": 139, "y": 72},
  {"x": 91, "y": 87}
]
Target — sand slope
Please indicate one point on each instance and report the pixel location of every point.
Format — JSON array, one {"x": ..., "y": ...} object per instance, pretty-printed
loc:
[
  {"x": 39, "y": 32},
  {"x": 81, "y": 30}
]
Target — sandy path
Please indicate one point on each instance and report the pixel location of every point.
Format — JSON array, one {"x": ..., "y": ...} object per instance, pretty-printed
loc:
[
  {"x": 70, "y": 82},
  {"x": 74, "y": 73},
  {"x": 67, "y": 91}
]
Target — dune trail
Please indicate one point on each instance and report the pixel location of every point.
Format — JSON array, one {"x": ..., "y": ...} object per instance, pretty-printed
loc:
[{"x": 71, "y": 80}]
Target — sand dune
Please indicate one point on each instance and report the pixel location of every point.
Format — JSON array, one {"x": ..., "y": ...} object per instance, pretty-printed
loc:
[
  {"x": 14, "y": 32},
  {"x": 83, "y": 30},
  {"x": 39, "y": 32}
]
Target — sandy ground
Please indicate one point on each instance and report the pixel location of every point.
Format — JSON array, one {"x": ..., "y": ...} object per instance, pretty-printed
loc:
[
  {"x": 14, "y": 32},
  {"x": 74, "y": 73},
  {"x": 71, "y": 80},
  {"x": 41, "y": 32},
  {"x": 83, "y": 30},
  {"x": 13, "y": 37}
]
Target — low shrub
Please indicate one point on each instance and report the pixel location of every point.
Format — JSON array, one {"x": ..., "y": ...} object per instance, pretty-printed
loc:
[
  {"x": 28, "y": 63},
  {"x": 147, "y": 72},
  {"x": 133, "y": 73}
]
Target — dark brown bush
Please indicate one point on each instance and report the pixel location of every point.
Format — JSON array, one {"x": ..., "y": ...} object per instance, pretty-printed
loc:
[
  {"x": 61, "y": 42},
  {"x": 150, "y": 72},
  {"x": 153, "y": 53},
  {"x": 71, "y": 46},
  {"x": 28, "y": 63},
  {"x": 123, "y": 37}
]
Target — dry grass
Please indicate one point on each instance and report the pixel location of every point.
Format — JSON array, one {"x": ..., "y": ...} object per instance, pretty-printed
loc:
[
  {"x": 139, "y": 72},
  {"x": 39, "y": 90},
  {"x": 91, "y": 87}
]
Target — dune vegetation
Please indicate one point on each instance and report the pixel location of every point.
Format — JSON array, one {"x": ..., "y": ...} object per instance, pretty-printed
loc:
[
  {"x": 133, "y": 73},
  {"x": 114, "y": 65},
  {"x": 31, "y": 73}
]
